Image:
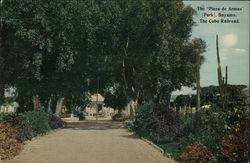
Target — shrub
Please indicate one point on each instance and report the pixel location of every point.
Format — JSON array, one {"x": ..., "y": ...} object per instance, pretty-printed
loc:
[
  {"x": 236, "y": 142},
  {"x": 81, "y": 116},
  {"x": 197, "y": 153},
  {"x": 187, "y": 124},
  {"x": 233, "y": 115},
  {"x": 20, "y": 123},
  {"x": 4, "y": 115},
  {"x": 235, "y": 96},
  {"x": 119, "y": 117},
  {"x": 172, "y": 149},
  {"x": 128, "y": 124},
  {"x": 143, "y": 119},
  {"x": 39, "y": 121},
  {"x": 208, "y": 127},
  {"x": 55, "y": 122},
  {"x": 165, "y": 125},
  {"x": 9, "y": 145},
  {"x": 211, "y": 127}
]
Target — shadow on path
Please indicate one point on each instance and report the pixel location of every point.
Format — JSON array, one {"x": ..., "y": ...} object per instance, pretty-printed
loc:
[{"x": 93, "y": 125}]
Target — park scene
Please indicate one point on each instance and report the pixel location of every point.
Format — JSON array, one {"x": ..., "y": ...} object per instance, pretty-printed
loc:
[{"x": 114, "y": 81}]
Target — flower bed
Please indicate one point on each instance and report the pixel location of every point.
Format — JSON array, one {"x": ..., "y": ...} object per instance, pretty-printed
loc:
[{"x": 17, "y": 128}]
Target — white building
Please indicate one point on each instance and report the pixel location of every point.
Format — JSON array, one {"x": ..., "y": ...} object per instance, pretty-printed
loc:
[
  {"x": 97, "y": 101},
  {"x": 8, "y": 108}
]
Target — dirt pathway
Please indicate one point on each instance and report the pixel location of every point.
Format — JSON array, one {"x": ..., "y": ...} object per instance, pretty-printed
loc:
[{"x": 90, "y": 142}]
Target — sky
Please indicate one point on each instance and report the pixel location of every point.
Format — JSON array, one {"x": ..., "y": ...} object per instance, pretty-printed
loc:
[{"x": 233, "y": 40}]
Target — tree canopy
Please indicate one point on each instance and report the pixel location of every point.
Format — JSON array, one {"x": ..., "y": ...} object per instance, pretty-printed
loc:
[
  {"x": 210, "y": 96},
  {"x": 73, "y": 48}
]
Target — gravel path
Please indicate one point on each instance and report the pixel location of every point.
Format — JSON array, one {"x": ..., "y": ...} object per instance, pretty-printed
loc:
[{"x": 90, "y": 142}]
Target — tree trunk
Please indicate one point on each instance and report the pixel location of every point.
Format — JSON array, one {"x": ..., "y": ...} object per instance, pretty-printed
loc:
[
  {"x": 225, "y": 91},
  {"x": 124, "y": 66},
  {"x": 167, "y": 100},
  {"x": 59, "y": 105},
  {"x": 198, "y": 89},
  {"x": 132, "y": 107},
  {"x": 49, "y": 110},
  {"x": 177, "y": 109},
  {"x": 36, "y": 102},
  {"x": 1, "y": 61},
  {"x": 119, "y": 111},
  {"x": 1, "y": 91}
]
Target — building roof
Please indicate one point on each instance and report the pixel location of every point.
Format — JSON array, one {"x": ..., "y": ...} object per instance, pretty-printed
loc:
[
  {"x": 93, "y": 98},
  {"x": 246, "y": 91}
]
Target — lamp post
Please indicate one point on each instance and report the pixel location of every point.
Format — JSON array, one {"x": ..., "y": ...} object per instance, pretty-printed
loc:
[{"x": 97, "y": 99}]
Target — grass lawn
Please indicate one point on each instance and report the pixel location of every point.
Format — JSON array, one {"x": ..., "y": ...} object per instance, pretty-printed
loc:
[{"x": 171, "y": 148}]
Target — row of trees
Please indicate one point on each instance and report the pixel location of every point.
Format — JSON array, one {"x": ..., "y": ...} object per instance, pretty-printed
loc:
[
  {"x": 211, "y": 96},
  {"x": 60, "y": 51}
]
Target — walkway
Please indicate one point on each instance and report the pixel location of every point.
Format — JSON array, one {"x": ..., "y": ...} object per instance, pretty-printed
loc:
[{"x": 90, "y": 142}]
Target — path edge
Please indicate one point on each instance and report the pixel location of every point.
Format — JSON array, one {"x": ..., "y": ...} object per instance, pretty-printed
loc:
[{"x": 151, "y": 144}]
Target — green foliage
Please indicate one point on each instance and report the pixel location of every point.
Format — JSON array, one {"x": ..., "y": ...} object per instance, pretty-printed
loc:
[
  {"x": 208, "y": 127},
  {"x": 81, "y": 116},
  {"x": 6, "y": 115},
  {"x": 46, "y": 49},
  {"x": 210, "y": 96},
  {"x": 119, "y": 117},
  {"x": 172, "y": 149},
  {"x": 25, "y": 102},
  {"x": 161, "y": 125},
  {"x": 128, "y": 124},
  {"x": 150, "y": 34},
  {"x": 77, "y": 104},
  {"x": 65, "y": 47},
  {"x": 117, "y": 98},
  {"x": 78, "y": 111},
  {"x": 143, "y": 119},
  {"x": 39, "y": 121},
  {"x": 235, "y": 96},
  {"x": 211, "y": 127},
  {"x": 187, "y": 124},
  {"x": 182, "y": 100},
  {"x": 234, "y": 114},
  {"x": 31, "y": 123}
]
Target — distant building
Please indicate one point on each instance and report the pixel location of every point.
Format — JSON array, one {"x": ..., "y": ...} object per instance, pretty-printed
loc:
[
  {"x": 9, "y": 108},
  {"x": 246, "y": 92},
  {"x": 173, "y": 97},
  {"x": 102, "y": 110}
]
